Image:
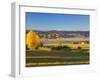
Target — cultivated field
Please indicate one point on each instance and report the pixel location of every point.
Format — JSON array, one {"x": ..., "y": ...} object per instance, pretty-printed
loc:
[{"x": 58, "y": 54}]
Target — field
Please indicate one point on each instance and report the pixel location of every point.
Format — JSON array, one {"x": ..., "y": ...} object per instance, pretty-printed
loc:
[{"x": 58, "y": 54}]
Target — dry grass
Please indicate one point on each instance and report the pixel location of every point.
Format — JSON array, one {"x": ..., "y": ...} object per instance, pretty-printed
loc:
[
  {"x": 83, "y": 46},
  {"x": 56, "y": 63}
]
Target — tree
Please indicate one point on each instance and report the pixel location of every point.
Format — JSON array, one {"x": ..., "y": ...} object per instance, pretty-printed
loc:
[{"x": 33, "y": 40}]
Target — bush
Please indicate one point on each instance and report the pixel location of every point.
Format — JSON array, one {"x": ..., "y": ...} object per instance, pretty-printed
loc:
[
  {"x": 60, "y": 47},
  {"x": 79, "y": 47},
  {"x": 65, "y": 47},
  {"x": 41, "y": 44}
]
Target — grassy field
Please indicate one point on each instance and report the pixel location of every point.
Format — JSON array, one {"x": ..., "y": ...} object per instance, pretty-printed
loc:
[
  {"x": 74, "y": 46},
  {"x": 47, "y": 57}
]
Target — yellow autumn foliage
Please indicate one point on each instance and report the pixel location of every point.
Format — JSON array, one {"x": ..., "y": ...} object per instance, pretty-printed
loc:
[{"x": 33, "y": 41}]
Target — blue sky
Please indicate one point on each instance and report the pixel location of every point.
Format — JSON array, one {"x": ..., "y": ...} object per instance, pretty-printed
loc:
[{"x": 50, "y": 21}]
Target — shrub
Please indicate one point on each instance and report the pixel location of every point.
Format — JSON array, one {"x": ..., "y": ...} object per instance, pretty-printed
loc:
[
  {"x": 79, "y": 47},
  {"x": 66, "y": 47},
  {"x": 60, "y": 48}
]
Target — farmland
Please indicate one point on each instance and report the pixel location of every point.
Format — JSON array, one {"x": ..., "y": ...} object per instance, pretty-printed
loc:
[{"x": 60, "y": 54}]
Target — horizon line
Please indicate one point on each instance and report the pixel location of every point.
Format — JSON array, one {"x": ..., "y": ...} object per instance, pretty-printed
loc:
[{"x": 57, "y": 30}]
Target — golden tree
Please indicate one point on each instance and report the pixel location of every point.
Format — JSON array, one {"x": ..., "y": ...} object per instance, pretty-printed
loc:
[{"x": 33, "y": 40}]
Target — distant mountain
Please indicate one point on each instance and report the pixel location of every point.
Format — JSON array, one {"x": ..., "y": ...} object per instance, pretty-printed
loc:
[{"x": 84, "y": 33}]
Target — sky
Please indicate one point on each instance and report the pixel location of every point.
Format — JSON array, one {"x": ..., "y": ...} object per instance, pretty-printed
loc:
[{"x": 51, "y": 21}]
